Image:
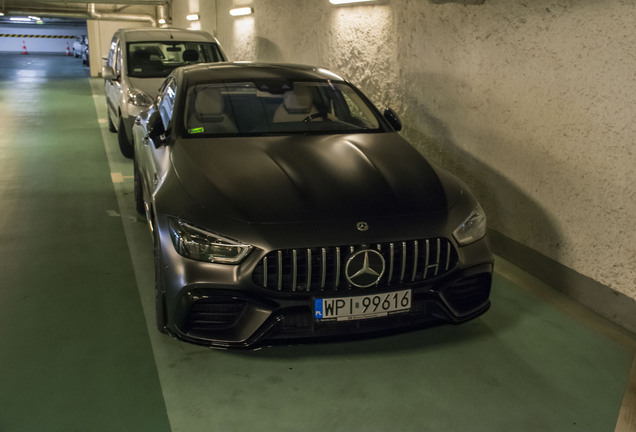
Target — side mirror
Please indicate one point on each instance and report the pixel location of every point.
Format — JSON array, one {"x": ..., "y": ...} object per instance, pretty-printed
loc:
[
  {"x": 108, "y": 73},
  {"x": 156, "y": 130},
  {"x": 393, "y": 119}
]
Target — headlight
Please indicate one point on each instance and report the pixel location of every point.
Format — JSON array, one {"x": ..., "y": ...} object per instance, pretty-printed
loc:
[
  {"x": 472, "y": 229},
  {"x": 200, "y": 245},
  {"x": 139, "y": 98}
]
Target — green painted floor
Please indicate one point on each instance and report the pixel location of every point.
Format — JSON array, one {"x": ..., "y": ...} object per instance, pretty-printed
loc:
[
  {"x": 74, "y": 348},
  {"x": 78, "y": 349}
]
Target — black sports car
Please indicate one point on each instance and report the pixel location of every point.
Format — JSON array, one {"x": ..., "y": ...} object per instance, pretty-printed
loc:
[{"x": 284, "y": 206}]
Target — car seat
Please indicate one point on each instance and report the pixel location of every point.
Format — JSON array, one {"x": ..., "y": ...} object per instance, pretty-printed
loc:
[
  {"x": 208, "y": 113},
  {"x": 190, "y": 55},
  {"x": 297, "y": 105}
]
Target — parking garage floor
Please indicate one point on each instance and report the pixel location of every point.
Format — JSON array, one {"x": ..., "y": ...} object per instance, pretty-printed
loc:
[{"x": 79, "y": 351}]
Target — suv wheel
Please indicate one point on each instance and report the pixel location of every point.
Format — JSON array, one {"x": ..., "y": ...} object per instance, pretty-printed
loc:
[
  {"x": 160, "y": 295},
  {"x": 124, "y": 143}
]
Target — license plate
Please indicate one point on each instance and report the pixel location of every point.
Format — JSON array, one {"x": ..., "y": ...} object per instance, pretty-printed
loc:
[{"x": 362, "y": 307}]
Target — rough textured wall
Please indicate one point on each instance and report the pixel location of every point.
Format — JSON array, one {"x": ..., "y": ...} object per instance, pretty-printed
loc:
[
  {"x": 358, "y": 43},
  {"x": 533, "y": 104},
  {"x": 182, "y": 8},
  {"x": 530, "y": 102}
]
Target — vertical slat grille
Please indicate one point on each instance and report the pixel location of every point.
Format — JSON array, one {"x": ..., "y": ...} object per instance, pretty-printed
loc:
[{"x": 323, "y": 269}]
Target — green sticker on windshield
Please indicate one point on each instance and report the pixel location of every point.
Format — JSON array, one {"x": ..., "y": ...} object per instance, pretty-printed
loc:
[{"x": 196, "y": 130}]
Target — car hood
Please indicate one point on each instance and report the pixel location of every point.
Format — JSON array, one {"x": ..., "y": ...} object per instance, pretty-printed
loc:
[
  {"x": 150, "y": 86},
  {"x": 308, "y": 178}
]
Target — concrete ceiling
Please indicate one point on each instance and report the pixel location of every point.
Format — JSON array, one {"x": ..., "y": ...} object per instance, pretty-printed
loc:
[{"x": 70, "y": 12}]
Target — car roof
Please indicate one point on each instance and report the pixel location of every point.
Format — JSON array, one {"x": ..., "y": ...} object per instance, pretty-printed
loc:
[
  {"x": 164, "y": 34},
  {"x": 238, "y": 71}
]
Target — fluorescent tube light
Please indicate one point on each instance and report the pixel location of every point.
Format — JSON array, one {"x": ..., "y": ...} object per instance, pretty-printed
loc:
[
  {"x": 20, "y": 19},
  {"x": 241, "y": 11}
]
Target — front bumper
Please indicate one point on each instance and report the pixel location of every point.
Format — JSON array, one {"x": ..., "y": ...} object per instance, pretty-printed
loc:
[
  {"x": 237, "y": 306},
  {"x": 235, "y": 318}
]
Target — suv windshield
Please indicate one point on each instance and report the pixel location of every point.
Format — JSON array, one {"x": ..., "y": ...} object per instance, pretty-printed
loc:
[
  {"x": 158, "y": 59},
  {"x": 276, "y": 108}
]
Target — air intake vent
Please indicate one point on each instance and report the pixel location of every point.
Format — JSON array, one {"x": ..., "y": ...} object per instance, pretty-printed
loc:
[
  {"x": 468, "y": 294},
  {"x": 214, "y": 313}
]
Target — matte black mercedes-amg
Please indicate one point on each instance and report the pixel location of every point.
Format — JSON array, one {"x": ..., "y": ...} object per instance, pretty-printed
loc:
[{"x": 284, "y": 206}]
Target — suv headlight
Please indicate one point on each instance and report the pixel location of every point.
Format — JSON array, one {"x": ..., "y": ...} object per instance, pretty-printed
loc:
[
  {"x": 139, "y": 98},
  {"x": 197, "y": 244},
  {"x": 472, "y": 229}
]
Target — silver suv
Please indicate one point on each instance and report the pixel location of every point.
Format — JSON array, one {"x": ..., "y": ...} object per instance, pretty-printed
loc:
[{"x": 137, "y": 64}]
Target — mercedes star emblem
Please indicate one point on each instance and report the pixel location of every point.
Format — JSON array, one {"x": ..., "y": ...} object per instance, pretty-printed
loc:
[
  {"x": 362, "y": 226},
  {"x": 365, "y": 268}
]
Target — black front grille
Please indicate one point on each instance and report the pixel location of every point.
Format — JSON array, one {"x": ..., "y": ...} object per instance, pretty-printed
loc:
[
  {"x": 323, "y": 269},
  {"x": 214, "y": 313}
]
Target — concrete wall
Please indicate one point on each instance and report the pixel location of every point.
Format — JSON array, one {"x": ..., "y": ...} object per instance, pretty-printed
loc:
[
  {"x": 38, "y": 39},
  {"x": 206, "y": 10},
  {"x": 532, "y": 103}
]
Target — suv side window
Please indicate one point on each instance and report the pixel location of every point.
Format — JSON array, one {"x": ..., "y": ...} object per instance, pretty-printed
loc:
[{"x": 167, "y": 96}]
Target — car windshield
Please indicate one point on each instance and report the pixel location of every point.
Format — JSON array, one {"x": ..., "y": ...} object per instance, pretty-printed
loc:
[
  {"x": 276, "y": 108},
  {"x": 158, "y": 59}
]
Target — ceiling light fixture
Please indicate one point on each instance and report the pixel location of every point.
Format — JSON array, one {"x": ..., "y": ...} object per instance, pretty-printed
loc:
[
  {"x": 20, "y": 19},
  {"x": 340, "y": 2},
  {"x": 241, "y": 11},
  {"x": 193, "y": 17}
]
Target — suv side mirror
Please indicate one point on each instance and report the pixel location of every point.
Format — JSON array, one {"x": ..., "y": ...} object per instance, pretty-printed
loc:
[
  {"x": 108, "y": 73},
  {"x": 393, "y": 119},
  {"x": 156, "y": 130}
]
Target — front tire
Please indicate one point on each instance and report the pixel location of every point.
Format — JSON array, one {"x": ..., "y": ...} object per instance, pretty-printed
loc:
[
  {"x": 138, "y": 190},
  {"x": 160, "y": 295},
  {"x": 125, "y": 146}
]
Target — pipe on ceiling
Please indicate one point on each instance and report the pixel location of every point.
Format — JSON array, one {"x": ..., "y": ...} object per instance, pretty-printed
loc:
[
  {"x": 78, "y": 15},
  {"x": 161, "y": 16},
  {"x": 93, "y": 14}
]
